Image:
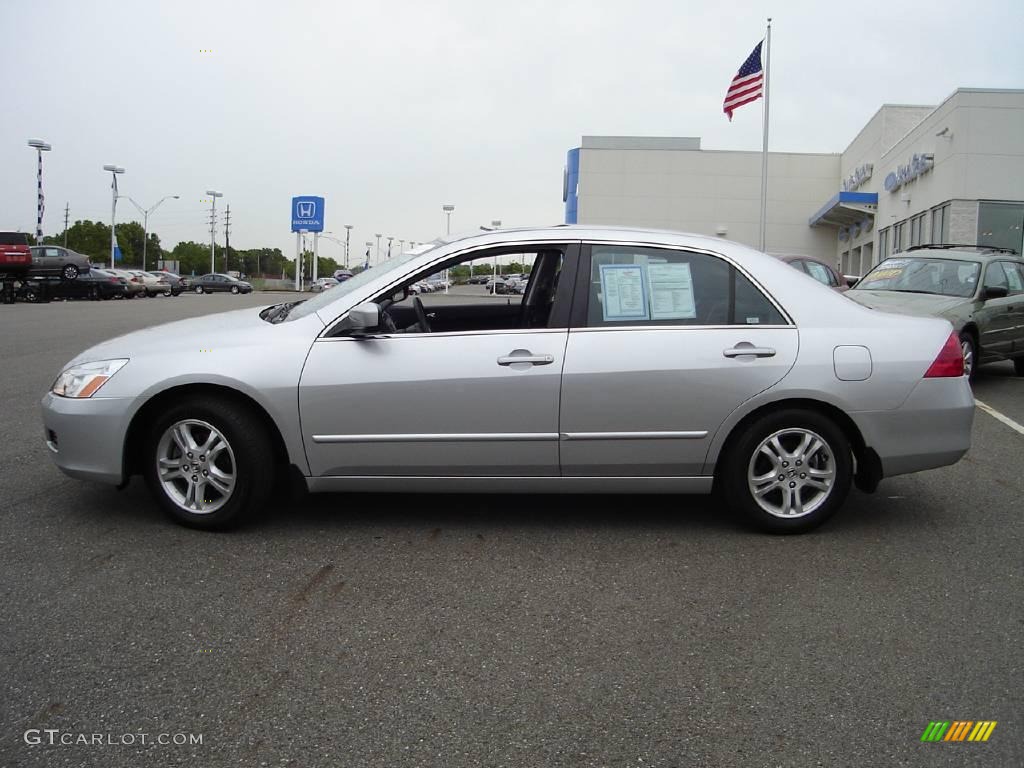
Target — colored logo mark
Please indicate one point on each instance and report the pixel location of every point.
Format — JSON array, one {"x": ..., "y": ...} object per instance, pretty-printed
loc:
[{"x": 958, "y": 730}]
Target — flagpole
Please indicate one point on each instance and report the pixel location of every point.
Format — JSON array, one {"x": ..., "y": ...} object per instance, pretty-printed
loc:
[{"x": 764, "y": 147}]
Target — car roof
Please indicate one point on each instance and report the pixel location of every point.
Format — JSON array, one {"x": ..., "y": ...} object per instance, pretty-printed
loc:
[{"x": 961, "y": 253}]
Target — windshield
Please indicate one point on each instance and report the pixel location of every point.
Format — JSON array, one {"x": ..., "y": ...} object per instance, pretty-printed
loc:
[
  {"x": 357, "y": 281},
  {"x": 943, "y": 277}
]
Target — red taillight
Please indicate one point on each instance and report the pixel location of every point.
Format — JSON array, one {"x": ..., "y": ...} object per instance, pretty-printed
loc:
[
  {"x": 950, "y": 361},
  {"x": 114, "y": 280}
]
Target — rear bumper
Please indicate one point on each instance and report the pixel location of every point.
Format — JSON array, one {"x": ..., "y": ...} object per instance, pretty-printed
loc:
[
  {"x": 85, "y": 437},
  {"x": 931, "y": 429}
]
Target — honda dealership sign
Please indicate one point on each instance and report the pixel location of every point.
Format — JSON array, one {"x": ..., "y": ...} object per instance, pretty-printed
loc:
[{"x": 307, "y": 214}]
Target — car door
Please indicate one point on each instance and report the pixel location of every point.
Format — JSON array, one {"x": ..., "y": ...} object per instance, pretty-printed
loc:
[
  {"x": 452, "y": 403},
  {"x": 1015, "y": 280},
  {"x": 664, "y": 345},
  {"x": 995, "y": 316}
]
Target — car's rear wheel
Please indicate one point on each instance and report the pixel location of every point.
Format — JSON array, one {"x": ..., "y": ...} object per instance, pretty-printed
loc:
[
  {"x": 199, "y": 289},
  {"x": 209, "y": 463},
  {"x": 788, "y": 472},
  {"x": 969, "y": 349},
  {"x": 70, "y": 272}
]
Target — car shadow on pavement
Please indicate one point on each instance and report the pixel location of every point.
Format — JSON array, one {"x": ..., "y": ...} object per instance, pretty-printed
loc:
[{"x": 133, "y": 509}]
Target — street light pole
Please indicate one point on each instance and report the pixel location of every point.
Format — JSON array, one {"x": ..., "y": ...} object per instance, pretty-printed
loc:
[
  {"x": 145, "y": 221},
  {"x": 369, "y": 245},
  {"x": 448, "y": 210},
  {"x": 348, "y": 232},
  {"x": 378, "y": 236},
  {"x": 496, "y": 223},
  {"x": 40, "y": 146},
  {"x": 114, "y": 171},
  {"x": 213, "y": 223}
]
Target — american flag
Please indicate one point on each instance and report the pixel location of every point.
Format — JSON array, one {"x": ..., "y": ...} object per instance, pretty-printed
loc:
[{"x": 748, "y": 85}]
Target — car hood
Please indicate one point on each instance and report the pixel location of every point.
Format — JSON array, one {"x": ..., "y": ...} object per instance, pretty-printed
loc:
[
  {"x": 223, "y": 330},
  {"x": 919, "y": 304}
]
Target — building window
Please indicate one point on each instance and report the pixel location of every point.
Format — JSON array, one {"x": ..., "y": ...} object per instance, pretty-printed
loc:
[
  {"x": 899, "y": 239},
  {"x": 940, "y": 224},
  {"x": 883, "y": 243},
  {"x": 1001, "y": 225},
  {"x": 918, "y": 231}
]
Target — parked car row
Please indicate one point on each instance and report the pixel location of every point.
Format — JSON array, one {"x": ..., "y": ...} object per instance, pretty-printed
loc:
[{"x": 98, "y": 283}]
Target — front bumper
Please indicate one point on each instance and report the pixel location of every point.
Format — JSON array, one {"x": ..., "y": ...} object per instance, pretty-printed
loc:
[
  {"x": 931, "y": 429},
  {"x": 86, "y": 436}
]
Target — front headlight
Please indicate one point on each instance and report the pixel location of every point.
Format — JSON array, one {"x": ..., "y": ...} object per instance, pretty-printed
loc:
[{"x": 85, "y": 379}]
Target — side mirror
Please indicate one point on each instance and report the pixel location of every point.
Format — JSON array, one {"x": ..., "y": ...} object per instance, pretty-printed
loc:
[
  {"x": 364, "y": 318},
  {"x": 994, "y": 292},
  {"x": 851, "y": 280}
]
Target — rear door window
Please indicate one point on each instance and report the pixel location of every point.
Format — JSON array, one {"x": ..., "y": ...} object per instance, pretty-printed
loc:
[
  {"x": 13, "y": 238},
  {"x": 631, "y": 286}
]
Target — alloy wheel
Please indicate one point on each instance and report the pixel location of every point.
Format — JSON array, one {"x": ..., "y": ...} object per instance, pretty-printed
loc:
[
  {"x": 791, "y": 473},
  {"x": 196, "y": 466},
  {"x": 967, "y": 349}
]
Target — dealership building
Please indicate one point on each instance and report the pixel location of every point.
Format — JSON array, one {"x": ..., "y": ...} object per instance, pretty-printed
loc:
[{"x": 951, "y": 173}]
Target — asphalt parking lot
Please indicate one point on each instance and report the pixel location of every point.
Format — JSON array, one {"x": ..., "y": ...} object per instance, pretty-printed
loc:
[{"x": 511, "y": 631}]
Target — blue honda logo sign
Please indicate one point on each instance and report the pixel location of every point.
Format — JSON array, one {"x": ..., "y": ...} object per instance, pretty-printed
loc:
[{"x": 307, "y": 214}]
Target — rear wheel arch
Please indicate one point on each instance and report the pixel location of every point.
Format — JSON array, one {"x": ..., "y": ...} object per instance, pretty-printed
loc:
[
  {"x": 865, "y": 456},
  {"x": 138, "y": 428}
]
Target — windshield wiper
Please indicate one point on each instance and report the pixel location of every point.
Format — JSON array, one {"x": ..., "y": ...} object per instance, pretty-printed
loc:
[
  {"x": 279, "y": 312},
  {"x": 911, "y": 290}
]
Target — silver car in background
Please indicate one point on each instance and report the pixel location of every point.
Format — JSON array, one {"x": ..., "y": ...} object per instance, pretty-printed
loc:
[{"x": 634, "y": 362}]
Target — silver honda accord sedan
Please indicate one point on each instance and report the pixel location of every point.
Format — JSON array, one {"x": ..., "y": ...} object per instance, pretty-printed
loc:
[{"x": 634, "y": 362}]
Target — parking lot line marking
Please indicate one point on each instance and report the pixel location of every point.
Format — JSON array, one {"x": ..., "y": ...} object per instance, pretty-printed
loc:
[{"x": 1000, "y": 417}]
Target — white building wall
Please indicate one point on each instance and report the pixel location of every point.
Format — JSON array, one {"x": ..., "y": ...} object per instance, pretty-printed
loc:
[{"x": 708, "y": 192}]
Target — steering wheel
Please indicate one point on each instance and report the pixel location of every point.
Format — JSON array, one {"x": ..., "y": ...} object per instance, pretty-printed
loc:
[{"x": 421, "y": 315}]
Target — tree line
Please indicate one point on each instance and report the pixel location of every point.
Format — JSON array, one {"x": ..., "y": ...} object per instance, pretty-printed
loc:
[{"x": 92, "y": 238}]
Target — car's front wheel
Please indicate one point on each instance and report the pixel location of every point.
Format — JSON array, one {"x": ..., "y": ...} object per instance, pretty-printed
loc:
[
  {"x": 199, "y": 290},
  {"x": 234, "y": 289},
  {"x": 167, "y": 292},
  {"x": 209, "y": 462},
  {"x": 788, "y": 472}
]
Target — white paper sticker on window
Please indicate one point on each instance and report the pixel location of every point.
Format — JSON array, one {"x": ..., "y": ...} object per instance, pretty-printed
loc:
[
  {"x": 623, "y": 293},
  {"x": 671, "y": 292}
]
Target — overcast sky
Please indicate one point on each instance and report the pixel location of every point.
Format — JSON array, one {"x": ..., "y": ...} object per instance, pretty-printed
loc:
[{"x": 391, "y": 109}]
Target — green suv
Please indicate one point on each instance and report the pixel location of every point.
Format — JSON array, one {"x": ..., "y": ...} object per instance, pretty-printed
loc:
[{"x": 980, "y": 290}]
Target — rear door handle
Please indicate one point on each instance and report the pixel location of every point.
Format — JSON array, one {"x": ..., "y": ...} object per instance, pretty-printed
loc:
[
  {"x": 525, "y": 356},
  {"x": 745, "y": 348}
]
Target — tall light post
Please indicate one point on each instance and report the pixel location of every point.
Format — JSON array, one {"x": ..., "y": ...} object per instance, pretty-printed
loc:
[
  {"x": 390, "y": 239},
  {"x": 448, "y": 210},
  {"x": 214, "y": 194},
  {"x": 39, "y": 146},
  {"x": 145, "y": 221},
  {"x": 348, "y": 232},
  {"x": 496, "y": 223},
  {"x": 377, "y": 259},
  {"x": 114, "y": 171},
  {"x": 369, "y": 245}
]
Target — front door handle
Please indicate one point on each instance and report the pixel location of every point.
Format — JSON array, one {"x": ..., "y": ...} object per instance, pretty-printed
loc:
[
  {"x": 517, "y": 356},
  {"x": 746, "y": 348}
]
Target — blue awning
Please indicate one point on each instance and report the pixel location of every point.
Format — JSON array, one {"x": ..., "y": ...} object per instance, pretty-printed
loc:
[{"x": 846, "y": 209}]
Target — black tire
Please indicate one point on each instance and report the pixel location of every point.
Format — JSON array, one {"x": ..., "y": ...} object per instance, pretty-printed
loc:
[
  {"x": 31, "y": 296},
  {"x": 150, "y": 294},
  {"x": 743, "y": 456},
  {"x": 69, "y": 272},
  {"x": 94, "y": 293},
  {"x": 199, "y": 290},
  {"x": 234, "y": 289},
  {"x": 253, "y": 460},
  {"x": 969, "y": 349},
  {"x": 1018, "y": 366},
  {"x": 167, "y": 293}
]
